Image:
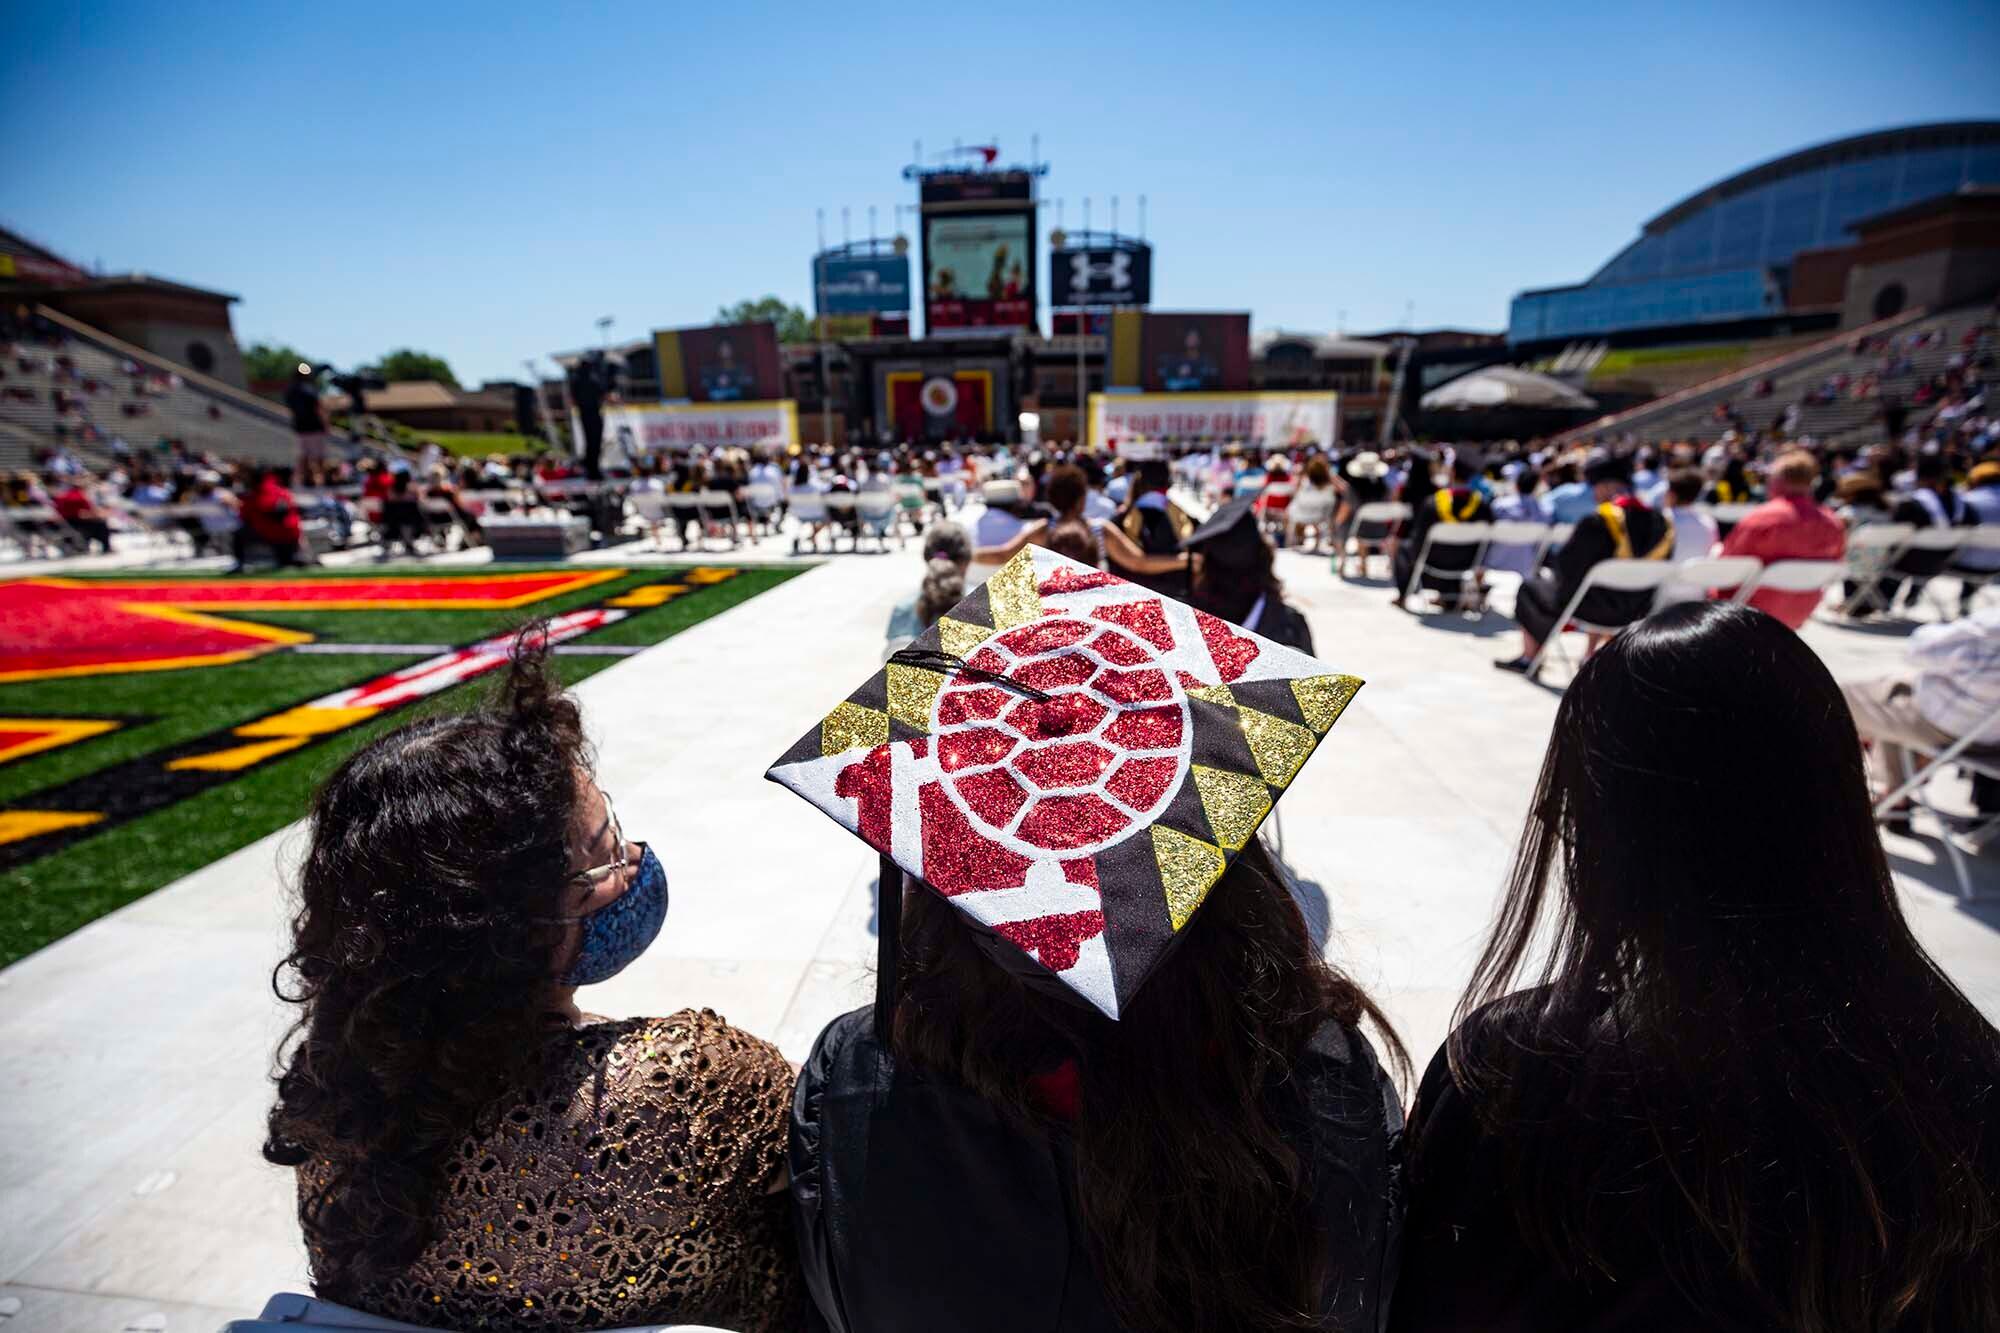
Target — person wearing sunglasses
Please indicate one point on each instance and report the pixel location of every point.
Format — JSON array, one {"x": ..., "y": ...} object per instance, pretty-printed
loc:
[{"x": 472, "y": 1149}]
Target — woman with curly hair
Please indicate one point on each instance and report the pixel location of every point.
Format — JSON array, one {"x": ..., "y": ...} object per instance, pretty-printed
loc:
[{"x": 471, "y": 1149}]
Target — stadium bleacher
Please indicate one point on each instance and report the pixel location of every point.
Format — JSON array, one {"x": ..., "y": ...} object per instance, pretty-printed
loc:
[
  {"x": 118, "y": 390},
  {"x": 1691, "y": 413}
]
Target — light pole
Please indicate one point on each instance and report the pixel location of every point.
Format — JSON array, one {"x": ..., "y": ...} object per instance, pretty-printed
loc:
[
  {"x": 825, "y": 375},
  {"x": 604, "y": 323}
]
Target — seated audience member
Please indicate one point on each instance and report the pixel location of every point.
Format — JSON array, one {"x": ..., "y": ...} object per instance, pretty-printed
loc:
[
  {"x": 1571, "y": 495},
  {"x": 947, "y": 555},
  {"x": 1067, "y": 493},
  {"x": 1526, "y": 504},
  {"x": 1233, "y": 577},
  {"x": 1155, "y": 524},
  {"x": 1929, "y": 503},
  {"x": 1739, "y": 1095},
  {"x": 1218, "y": 1157},
  {"x": 269, "y": 516},
  {"x": 1455, "y": 503},
  {"x": 1695, "y": 533},
  {"x": 1312, "y": 509},
  {"x": 1790, "y": 525},
  {"x": 1619, "y": 528},
  {"x": 451, "y": 1114},
  {"x": 1948, "y": 689},
  {"x": 1982, "y": 497},
  {"x": 403, "y": 518},
  {"x": 73, "y": 504}
]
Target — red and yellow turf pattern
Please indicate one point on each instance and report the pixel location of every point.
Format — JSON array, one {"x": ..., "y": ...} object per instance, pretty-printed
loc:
[{"x": 77, "y": 627}]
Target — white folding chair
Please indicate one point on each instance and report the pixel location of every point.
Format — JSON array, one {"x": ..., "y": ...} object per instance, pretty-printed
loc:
[
  {"x": 840, "y": 512},
  {"x": 1983, "y": 541},
  {"x": 998, "y": 494},
  {"x": 1692, "y": 578},
  {"x": 1610, "y": 576},
  {"x": 652, "y": 509},
  {"x": 761, "y": 498},
  {"x": 877, "y": 511},
  {"x": 1310, "y": 509},
  {"x": 1726, "y": 516},
  {"x": 1880, "y": 544},
  {"x": 1509, "y": 534},
  {"x": 1373, "y": 527},
  {"x": 717, "y": 508},
  {"x": 1937, "y": 541},
  {"x": 809, "y": 514},
  {"x": 1474, "y": 535},
  {"x": 1791, "y": 576},
  {"x": 1984, "y": 760}
]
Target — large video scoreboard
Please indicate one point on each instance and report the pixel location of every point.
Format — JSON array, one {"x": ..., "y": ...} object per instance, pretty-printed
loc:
[{"x": 979, "y": 252}]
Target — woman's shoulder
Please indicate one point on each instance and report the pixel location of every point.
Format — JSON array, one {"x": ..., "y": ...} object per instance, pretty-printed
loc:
[{"x": 692, "y": 1051}]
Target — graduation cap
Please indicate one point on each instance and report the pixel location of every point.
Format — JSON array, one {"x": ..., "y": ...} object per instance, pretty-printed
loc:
[
  {"x": 1070, "y": 760},
  {"x": 1231, "y": 533}
]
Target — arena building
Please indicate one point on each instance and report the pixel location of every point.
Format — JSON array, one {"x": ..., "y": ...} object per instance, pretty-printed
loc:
[{"x": 1730, "y": 259}]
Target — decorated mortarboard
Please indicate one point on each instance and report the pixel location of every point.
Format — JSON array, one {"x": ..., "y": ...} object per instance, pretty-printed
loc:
[{"x": 1071, "y": 761}]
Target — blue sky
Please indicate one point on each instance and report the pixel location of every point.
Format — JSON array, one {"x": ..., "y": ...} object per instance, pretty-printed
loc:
[{"x": 484, "y": 181}]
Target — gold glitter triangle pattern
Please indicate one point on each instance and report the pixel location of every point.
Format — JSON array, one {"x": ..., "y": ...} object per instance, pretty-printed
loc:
[
  {"x": 1189, "y": 867},
  {"x": 1235, "y": 804},
  {"x": 850, "y": 727},
  {"x": 1278, "y": 746},
  {"x": 960, "y": 637},
  {"x": 1322, "y": 698},
  {"x": 1215, "y": 694},
  {"x": 1011, "y": 593},
  {"x": 913, "y": 692}
]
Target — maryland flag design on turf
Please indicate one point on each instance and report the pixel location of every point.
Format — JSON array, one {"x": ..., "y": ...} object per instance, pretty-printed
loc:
[{"x": 1072, "y": 761}]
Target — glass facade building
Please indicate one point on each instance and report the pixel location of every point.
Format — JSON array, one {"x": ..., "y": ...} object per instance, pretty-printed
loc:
[{"x": 1726, "y": 252}]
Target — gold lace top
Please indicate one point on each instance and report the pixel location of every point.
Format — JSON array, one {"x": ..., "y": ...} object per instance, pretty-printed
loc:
[{"x": 631, "y": 1187}]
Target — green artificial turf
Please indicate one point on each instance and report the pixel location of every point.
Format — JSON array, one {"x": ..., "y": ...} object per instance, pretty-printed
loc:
[{"x": 47, "y": 898}]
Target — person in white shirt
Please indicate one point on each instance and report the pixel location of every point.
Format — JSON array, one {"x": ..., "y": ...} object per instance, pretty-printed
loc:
[
  {"x": 1949, "y": 688},
  {"x": 1695, "y": 532}
]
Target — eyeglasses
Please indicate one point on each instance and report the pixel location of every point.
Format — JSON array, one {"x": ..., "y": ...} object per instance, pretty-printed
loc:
[{"x": 595, "y": 874}]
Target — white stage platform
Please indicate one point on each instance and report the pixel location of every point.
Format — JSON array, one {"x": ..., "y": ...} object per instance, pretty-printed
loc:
[{"x": 134, "y": 1055}]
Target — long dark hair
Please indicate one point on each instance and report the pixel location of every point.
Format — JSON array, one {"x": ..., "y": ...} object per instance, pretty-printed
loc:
[
  {"x": 1740, "y": 1066},
  {"x": 1183, "y": 1089},
  {"x": 421, "y": 961}
]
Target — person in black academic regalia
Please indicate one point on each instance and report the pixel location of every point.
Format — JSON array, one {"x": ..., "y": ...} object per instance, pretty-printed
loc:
[
  {"x": 1621, "y": 527},
  {"x": 1456, "y": 503},
  {"x": 1156, "y": 524},
  {"x": 1234, "y": 579}
]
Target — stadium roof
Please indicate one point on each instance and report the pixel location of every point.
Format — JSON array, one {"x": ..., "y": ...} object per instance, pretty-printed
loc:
[
  {"x": 1877, "y": 143},
  {"x": 1327, "y": 346}
]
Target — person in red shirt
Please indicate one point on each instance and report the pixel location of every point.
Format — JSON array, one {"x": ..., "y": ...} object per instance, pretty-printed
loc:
[
  {"x": 1789, "y": 526},
  {"x": 270, "y": 516},
  {"x": 379, "y": 481},
  {"x": 74, "y": 505}
]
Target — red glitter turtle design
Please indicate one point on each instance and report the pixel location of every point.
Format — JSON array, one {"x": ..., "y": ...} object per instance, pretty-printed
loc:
[{"x": 1071, "y": 775}]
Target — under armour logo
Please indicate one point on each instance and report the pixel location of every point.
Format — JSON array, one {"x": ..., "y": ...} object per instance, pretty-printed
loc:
[{"x": 1115, "y": 270}]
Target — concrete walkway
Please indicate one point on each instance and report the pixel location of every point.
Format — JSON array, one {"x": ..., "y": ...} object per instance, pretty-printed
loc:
[{"x": 134, "y": 1055}]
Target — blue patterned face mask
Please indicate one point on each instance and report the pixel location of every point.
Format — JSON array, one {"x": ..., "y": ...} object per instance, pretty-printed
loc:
[{"x": 621, "y": 930}]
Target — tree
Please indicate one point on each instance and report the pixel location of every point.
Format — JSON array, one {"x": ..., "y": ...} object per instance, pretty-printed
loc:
[
  {"x": 794, "y": 324},
  {"x": 407, "y": 363},
  {"x": 263, "y": 361}
]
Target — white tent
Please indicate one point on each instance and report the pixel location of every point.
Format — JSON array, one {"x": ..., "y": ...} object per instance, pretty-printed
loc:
[{"x": 1505, "y": 386}]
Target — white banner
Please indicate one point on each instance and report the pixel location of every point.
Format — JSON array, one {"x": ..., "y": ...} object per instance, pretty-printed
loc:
[
  {"x": 637, "y": 429},
  {"x": 1266, "y": 420}
]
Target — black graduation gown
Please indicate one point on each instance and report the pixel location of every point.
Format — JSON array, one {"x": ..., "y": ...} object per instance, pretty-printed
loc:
[
  {"x": 1542, "y": 599},
  {"x": 1156, "y": 532},
  {"x": 919, "y": 1207},
  {"x": 1465, "y": 1264},
  {"x": 1467, "y": 506}
]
